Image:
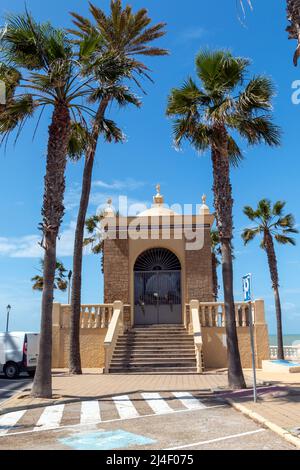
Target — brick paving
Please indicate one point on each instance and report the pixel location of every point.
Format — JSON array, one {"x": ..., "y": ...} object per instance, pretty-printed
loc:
[{"x": 279, "y": 400}]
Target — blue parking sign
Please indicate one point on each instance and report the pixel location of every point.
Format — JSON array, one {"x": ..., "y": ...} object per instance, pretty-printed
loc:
[{"x": 247, "y": 288}]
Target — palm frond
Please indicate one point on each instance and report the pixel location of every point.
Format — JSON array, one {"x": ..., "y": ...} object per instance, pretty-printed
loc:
[
  {"x": 284, "y": 240},
  {"x": 257, "y": 95},
  {"x": 249, "y": 234}
]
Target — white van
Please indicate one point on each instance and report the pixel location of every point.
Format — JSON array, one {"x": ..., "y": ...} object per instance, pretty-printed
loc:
[{"x": 18, "y": 353}]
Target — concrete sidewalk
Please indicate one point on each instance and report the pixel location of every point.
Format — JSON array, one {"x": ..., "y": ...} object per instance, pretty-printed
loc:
[
  {"x": 94, "y": 384},
  {"x": 278, "y": 406}
]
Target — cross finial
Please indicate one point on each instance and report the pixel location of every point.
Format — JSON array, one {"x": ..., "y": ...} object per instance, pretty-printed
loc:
[{"x": 158, "y": 199}]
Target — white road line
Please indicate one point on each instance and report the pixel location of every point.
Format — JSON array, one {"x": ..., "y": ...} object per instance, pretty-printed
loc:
[
  {"x": 9, "y": 420},
  {"x": 125, "y": 407},
  {"x": 157, "y": 403},
  {"x": 201, "y": 443},
  {"x": 79, "y": 426},
  {"x": 190, "y": 402},
  {"x": 90, "y": 412},
  {"x": 50, "y": 418}
]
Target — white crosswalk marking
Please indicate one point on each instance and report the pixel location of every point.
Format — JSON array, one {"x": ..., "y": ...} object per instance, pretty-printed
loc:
[
  {"x": 157, "y": 403},
  {"x": 90, "y": 412},
  {"x": 50, "y": 418},
  {"x": 125, "y": 407},
  {"x": 190, "y": 402},
  {"x": 9, "y": 420}
]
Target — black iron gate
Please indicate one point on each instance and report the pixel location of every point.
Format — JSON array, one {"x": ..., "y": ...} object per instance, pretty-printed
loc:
[{"x": 158, "y": 297}]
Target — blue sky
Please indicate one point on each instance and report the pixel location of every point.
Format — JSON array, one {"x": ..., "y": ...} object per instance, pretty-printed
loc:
[{"x": 148, "y": 156}]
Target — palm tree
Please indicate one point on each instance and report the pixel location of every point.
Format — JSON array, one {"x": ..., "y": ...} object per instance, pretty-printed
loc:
[
  {"x": 215, "y": 260},
  {"x": 125, "y": 34},
  {"x": 272, "y": 224},
  {"x": 48, "y": 75},
  {"x": 205, "y": 116},
  {"x": 60, "y": 280},
  {"x": 95, "y": 240}
]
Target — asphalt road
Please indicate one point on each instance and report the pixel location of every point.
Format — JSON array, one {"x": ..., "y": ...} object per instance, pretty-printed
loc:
[
  {"x": 9, "y": 387},
  {"x": 212, "y": 425}
]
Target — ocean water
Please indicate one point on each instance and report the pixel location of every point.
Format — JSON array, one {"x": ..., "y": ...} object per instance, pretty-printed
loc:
[{"x": 288, "y": 340}]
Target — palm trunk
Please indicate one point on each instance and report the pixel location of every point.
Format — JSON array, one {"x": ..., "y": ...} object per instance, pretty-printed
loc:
[
  {"x": 272, "y": 261},
  {"x": 223, "y": 203},
  {"x": 279, "y": 324},
  {"x": 52, "y": 212},
  {"x": 215, "y": 276},
  {"x": 74, "y": 353}
]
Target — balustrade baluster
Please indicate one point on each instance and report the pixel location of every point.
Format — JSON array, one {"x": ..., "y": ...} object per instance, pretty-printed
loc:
[{"x": 244, "y": 315}]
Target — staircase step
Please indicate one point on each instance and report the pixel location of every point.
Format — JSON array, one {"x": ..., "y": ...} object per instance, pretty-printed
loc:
[
  {"x": 129, "y": 352},
  {"x": 154, "y": 363},
  {"x": 155, "y": 349},
  {"x": 154, "y": 370}
]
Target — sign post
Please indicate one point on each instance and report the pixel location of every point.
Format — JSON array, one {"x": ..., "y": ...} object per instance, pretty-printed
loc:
[{"x": 247, "y": 287}]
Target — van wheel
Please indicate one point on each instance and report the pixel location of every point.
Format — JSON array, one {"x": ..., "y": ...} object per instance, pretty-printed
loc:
[
  {"x": 31, "y": 373},
  {"x": 11, "y": 370}
]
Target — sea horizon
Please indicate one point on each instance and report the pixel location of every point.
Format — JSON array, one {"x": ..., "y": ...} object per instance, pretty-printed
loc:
[{"x": 288, "y": 340}]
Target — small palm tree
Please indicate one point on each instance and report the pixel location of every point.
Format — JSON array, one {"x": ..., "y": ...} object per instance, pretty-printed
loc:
[
  {"x": 206, "y": 116},
  {"x": 215, "y": 259},
  {"x": 95, "y": 239},
  {"x": 60, "y": 280},
  {"x": 127, "y": 35},
  {"x": 271, "y": 224}
]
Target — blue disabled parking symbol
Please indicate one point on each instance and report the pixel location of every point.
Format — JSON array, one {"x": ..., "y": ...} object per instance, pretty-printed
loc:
[{"x": 102, "y": 440}]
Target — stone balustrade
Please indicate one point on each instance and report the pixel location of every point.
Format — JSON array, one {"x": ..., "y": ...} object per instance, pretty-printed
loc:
[
  {"x": 96, "y": 316},
  {"x": 212, "y": 314},
  {"x": 291, "y": 353}
]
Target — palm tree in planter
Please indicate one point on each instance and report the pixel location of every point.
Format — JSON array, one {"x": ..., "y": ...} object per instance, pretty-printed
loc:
[
  {"x": 128, "y": 35},
  {"x": 271, "y": 224},
  {"x": 205, "y": 116},
  {"x": 48, "y": 76},
  {"x": 60, "y": 280}
]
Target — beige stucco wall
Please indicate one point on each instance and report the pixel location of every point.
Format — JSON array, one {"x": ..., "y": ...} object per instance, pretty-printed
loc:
[
  {"x": 215, "y": 350},
  {"x": 91, "y": 341}
]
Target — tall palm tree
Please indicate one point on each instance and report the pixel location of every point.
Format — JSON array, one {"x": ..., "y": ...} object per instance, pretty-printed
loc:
[
  {"x": 48, "y": 77},
  {"x": 60, "y": 280},
  {"x": 271, "y": 224},
  {"x": 293, "y": 16},
  {"x": 215, "y": 260},
  {"x": 126, "y": 34},
  {"x": 206, "y": 116}
]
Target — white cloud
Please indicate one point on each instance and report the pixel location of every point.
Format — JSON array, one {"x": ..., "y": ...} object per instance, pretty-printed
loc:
[
  {"x": 101, "y": 192},
  {"x": 28, "y": 246},
  {"x": 117, "y": 185}
]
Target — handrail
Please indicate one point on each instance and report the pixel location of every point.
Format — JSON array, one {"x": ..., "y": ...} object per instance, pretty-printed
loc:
[
  {"x": 115, "y": 328},
  {"x": 194, "y": 309}
]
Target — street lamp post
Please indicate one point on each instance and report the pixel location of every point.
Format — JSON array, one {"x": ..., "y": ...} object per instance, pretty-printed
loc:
[{"x": 8, "y": 309}]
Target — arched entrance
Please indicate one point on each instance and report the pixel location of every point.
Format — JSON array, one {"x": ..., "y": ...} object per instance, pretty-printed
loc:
[{"x": 157, "y": 288}]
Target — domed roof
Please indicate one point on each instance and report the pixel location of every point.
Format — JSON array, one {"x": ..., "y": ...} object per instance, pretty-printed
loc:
[{"x": 158, "y": 209}]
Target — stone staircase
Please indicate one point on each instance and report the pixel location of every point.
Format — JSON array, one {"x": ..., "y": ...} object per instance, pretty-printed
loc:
[{"x": 154, "y": 349}]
